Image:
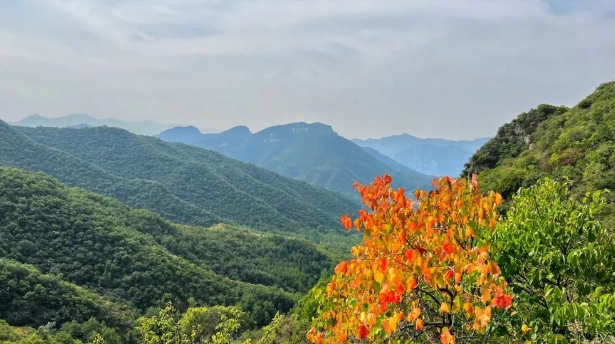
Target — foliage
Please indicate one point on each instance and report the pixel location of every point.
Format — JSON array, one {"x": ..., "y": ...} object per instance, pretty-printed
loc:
[
  {"x": 28, "y": 335},
  {"x": 95, "y": 331},
  {"x": 216, "y": 325},
  {"x": 560, "y": 263},
  {"x": 28, "y": 297},
  {"x": 423, "y": 271}
]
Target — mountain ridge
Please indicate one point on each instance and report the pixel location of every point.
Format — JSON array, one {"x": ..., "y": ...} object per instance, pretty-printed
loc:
[
  {"x": 311, "y": 152},
  {"x": 145, "y": 127}
]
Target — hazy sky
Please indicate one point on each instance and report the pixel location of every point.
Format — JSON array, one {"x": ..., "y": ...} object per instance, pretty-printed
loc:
[{"x": 432, "y": 68}]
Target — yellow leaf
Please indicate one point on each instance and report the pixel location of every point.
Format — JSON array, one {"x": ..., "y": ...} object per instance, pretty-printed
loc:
[{"x": 445, "y": 308}]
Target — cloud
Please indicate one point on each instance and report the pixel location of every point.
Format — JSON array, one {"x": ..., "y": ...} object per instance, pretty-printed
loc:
[{"x": 447, "y": 68}]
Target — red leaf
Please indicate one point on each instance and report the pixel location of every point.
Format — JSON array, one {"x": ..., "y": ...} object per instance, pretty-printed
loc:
[
  {"x": 448, "y": 248},
  {"x": 383, "y": 264},
  {"x": 503, "y": 301},
  {"x": 363, "y": 332}
]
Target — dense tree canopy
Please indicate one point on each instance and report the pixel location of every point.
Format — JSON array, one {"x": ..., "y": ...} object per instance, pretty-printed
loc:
[{"x": 130, "y": 260}]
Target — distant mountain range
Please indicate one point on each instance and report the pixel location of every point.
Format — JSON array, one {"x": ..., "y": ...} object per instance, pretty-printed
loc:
[
  {"x": 437, "y": 157},
  {"x": 83, "y": 120},
  {"x": 184, "y": 184},
  {"x": 309, "y": 152}
]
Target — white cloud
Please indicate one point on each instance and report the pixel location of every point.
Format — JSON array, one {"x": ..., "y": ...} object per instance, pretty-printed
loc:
[{"x": 450, "y": 68}]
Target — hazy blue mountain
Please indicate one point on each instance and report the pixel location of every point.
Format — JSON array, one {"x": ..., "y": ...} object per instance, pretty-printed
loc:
[
  {"x": 429, "y": 156},
  {"x": 83, "y": 120},
  {"x": 394, "y": 165},
  {"x": 313, "y": 152}
]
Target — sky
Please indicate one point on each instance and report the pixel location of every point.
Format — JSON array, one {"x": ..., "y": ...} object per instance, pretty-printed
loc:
[{"x": 455, "y": 69}]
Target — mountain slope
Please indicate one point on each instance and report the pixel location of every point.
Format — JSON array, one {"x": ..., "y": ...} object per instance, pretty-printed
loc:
[
  {"x": 392, "y": 164},
  {"x": 83, "y": 120},
  {"x": 430, "y": 156},
  {"x": 309, "y": 152},
  {"x": 577, "y": 145},
  {"x": 136, "y": 257},
  {"x": 183, "y": 183},
  {"x": 511, "y": 140}
]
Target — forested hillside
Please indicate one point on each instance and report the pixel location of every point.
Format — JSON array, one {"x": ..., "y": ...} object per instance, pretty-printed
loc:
[
  {"x": 310, "y": 152},
  {"x": 575, "y": 145},
  {"x": 125, "y": 261},
  {"x": 511, "y": 140},
  {"x": 184, "y": 184}
]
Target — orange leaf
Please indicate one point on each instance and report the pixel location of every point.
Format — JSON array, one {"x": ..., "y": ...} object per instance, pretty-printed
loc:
[
  {"x": 445, "y": 308},
  {"x": 468, "y": 308},
  {"x": 446, "y": 337},
  {"x": 498, "y": 199},
  {"x": 414, "y": 314},
  {"x": 346, "y": 222},
  {"x": 341, "y": 268},
  {"x": 419, "y": 324}
]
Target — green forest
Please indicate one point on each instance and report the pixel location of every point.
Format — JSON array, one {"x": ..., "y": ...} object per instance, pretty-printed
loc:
[{"x": 111, "y": 237}]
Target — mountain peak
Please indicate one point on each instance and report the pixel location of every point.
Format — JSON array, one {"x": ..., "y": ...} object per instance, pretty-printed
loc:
[
  {"x": 181, "y": 134},
  {"x": 187, "y": 130},
  {"x": 298, "y": 128},
  {"x": 240, "y": 129},
  {"x": 81, "y": 117}
]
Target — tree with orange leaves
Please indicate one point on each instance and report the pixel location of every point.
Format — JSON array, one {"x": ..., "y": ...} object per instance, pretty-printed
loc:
[{"x": 423, "y": 271}]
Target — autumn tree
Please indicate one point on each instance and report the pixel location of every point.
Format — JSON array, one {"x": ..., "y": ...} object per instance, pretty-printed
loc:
[{"x": 423, "y": 271}]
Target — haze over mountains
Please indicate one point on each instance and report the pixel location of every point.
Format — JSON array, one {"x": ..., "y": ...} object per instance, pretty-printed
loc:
[
  {"x": 407, "y": 154},
  {"x": 437, "y": 157},
  {"x": 311, "y": 152},
  {"x": 84, "y": 120}
]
